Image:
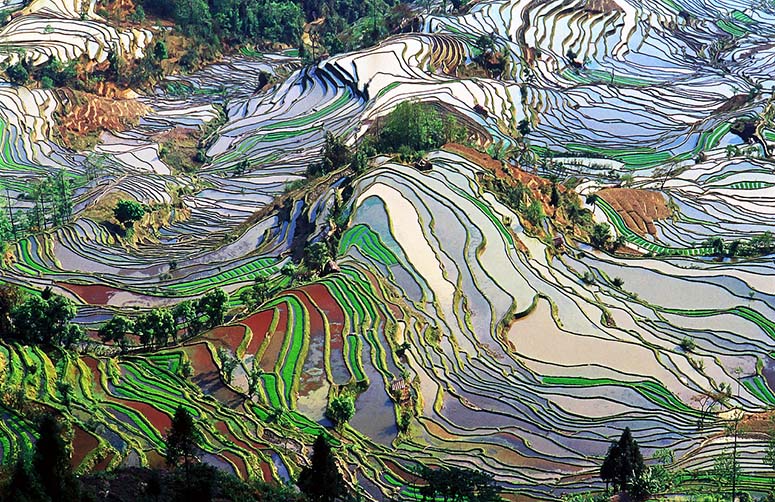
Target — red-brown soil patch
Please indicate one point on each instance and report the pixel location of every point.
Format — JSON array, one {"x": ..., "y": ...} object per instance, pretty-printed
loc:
[
  {"x": 333, "y": 312},
  {"x": 758, "y": 423},
  {"x": 540, "y": 188},
  {"x": 239, "y": 464},
  {"x": 85, "y": 113},
  {"x": 224, "y": 429},
  {"x": 103, "y": 464},
  {"x": 272, "y": 354},
  {"x": 159, "y": 420},
  {"x": 258, "y": 324},
  {"x": 208, "y": 377},
  {"x": 638, "y": 208},
  {"x": 266, "y": 470},
  {"x": 176, "y": 134},
  {"x": 83, "y": 444},
  {"x": 93, "y": 294},
  {"x": 231, "y": 335}
]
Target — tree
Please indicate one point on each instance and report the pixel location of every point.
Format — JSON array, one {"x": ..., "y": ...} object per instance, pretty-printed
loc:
[
  {"x": 555, "y": 197},
  {"x": 17, "y": 74},
  {"x": 157, "y": 326},
  {"x": 213, "y": 306},
  {"x": 116, "y": 329},
  {"x": 717, "y": 244},
  {"x": 535, "y": 213},
  {"x": 257, "y": 294},
  {"x": 181, "y": 440},
  {"x": 51, "y": 462},
  {"x": 45, "y": 320},
  {"x": 254, "y": 379},
  {"x": 228, "y": 363},
  {"x": 417, "y": 127},
  {"x": 160, "y": 50},
  {"x": 24, "y": 485},
  {"x": 335, "y": 154},
  {"x": 725, "y": 470},
  {"x": 341, "y": 409},
  {"x": 623, "y": 464},
  {"x": 601, "y": 235},
  {"x": 321, "y": 481},
  {"x": 317, "y": 255},
  {"x": 457, "y": 484},
  {"x": 10, "y": 297},
  {"x": 128, "y": 211},
  {"x": 185, "y": 316}
]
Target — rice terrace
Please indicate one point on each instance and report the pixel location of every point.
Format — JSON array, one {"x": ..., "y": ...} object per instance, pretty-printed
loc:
[{"x": 319, "y": 250}]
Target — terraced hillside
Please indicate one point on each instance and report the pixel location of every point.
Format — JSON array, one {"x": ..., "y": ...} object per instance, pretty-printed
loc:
[{"x": 470, "y": 336}]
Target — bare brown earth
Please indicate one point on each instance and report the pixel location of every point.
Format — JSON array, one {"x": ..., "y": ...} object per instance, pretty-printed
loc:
[
  {"x": 86, "y": 113},
  {"x": 540, "y": 188},
  {"x": 638, "y": 208}
]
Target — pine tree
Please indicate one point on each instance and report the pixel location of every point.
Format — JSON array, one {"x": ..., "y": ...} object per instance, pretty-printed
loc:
[
  {"x": 623, "y": 464},
  {"x": 51, "y": 462},
  {"x": 181, "y": 440},
  {"x": 321, "y": 482}
]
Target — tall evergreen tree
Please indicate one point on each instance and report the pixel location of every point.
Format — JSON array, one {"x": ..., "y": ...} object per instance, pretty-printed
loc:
[
  {"x": 181, "y": 440},
  {"x": 321, "y": 481},
  {"x": 51, "y": 462},
  {"x": 623, "y": 464}
]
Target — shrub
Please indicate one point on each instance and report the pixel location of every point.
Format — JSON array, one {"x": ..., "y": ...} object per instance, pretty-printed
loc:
[
  {"x": 128, "y": 211},
  {"x": 688, "y": 344},
  {"x": 413, "y": 128},
  {"x": 341, "y": 409}
]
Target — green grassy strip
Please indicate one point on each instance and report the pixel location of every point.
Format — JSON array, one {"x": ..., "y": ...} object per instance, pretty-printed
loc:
[
  {"x": 272, "y": 393},
  {"x": 758, "y": 387},
  {"x": 139, "y": 422},
  {"x": 602, "y": 77},
  {"x": 653, "y": 391},
  {"x": 618, "y": 222},
  {"x": 732, "y": 28},
  {"x": 388, "y": 88},
  {"x": 369, "y": 243},
  {"x": 246, "y": 272},
  {"x": 742, "y": 17},
  {"x": 767, "y": 325}
]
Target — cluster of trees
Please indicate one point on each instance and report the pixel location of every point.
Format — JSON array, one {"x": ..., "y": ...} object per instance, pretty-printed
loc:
[
  {"x": 413, "y": 128},
  {"x": 759, "y": 245},
  {"x": 52, "y": 206},
  {"x": 454, "y": 484},
  {"x": 233, "y": 21},
  {"x": 53, "y": 73},
  {"x": 160, "y": 325},
  {"x": 46, "y": 474},
  {"x": 44, "y": 320}
]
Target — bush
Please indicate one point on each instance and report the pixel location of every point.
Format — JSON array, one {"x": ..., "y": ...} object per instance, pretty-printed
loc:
[
  {"x": 413, "y": 128},
  {"x": 128, "y": 211},
  {"x": 17, "y": 74},
  {"x": 341, "y": 409},
  {"x": 688, "y": 344}
]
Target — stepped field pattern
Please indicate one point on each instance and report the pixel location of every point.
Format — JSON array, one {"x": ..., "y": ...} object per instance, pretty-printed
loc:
[{"x": 519, "y": 366}]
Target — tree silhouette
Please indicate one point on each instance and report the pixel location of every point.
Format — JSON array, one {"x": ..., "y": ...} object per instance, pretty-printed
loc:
[
  {"x": 321, "y": 481},
  {"x": 457, "y": 484},
  {"x": 51, "y": 462},
  {"x": 128, "y": 211},
  {"x": 181, "y": 440},
  {"x": 623, "y": 464}
]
